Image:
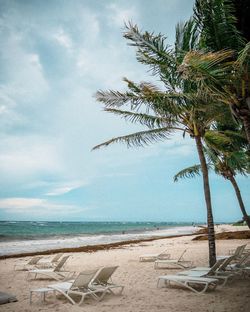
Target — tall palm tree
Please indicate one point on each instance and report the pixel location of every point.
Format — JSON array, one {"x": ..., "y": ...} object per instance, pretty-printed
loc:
[
  {"x": 226, "y": 159},
  {"x": 219, "y": 23},
  {"x": 178, "y": 108}
]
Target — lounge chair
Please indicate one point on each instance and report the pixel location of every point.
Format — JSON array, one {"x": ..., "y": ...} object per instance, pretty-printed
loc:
[
  {"x": 246, "y": 250},
  {"x": 173, "y": 263},
  {"x": 153, "y": 257},
  {"x": 239, "y": 267},
  {"x": 79, "y": 287},
  {"x": 26, "y": 266},
  {"x": 189, "y": 282},
  {"x": 55, "y": 273},
  {"x": 216, "y": 271},
  {"x": 237, "y": 253},
  {"x": 49, "y": 263},
  {"x": 103, "y": 280}
]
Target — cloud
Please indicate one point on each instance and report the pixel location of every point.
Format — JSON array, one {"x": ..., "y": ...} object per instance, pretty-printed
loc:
[
  {"x": 37, "y": 206},
  {"x": 26, "y": 156},
  {"x": 66, "y": 188},
  {"x": 119, "y": 15},
  {"x": 63, "y": 39}
]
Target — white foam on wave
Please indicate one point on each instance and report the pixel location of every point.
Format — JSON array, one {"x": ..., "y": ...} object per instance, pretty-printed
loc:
[{"x": 25, "y": 246}]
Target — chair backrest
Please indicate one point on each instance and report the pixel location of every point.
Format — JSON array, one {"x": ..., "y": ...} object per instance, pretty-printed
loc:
[
  {"x": 61, "y": 263},
  {"x": 239, "y": 250},
  {"x": 162, "y": 253},
  {"x": 56, "y": 258},
  {"x": 181, "y": 256},
  {"x": 83, "y": 279},
  {"x": 104, "y": 275},
  {"x": 243, "y": 259},
  {"x": 215, "y": 267},
  {"x": 34, "y": 260},
  {"x": 226, "y": 262}
]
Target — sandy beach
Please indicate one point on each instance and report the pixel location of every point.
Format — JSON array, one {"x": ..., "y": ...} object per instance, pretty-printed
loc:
[{"x": 140, "y": 280}]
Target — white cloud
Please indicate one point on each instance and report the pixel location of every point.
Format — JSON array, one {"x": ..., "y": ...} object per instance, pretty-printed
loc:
[
  {"x": 63, "y": 39},
  {"x": 118, "y": 15},
  {"x": 66, "y": 188},
  {"x": 37, "y": 206},
  {"x": 24, "y": 156}
]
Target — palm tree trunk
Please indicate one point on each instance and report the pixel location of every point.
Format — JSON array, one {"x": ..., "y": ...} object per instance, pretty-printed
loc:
[
  {"x": 246, "y": 123},
  {"x": 243, "y": 113},
  {"x": 210, "y": 221},
  {"x": 238, "y": 194}
]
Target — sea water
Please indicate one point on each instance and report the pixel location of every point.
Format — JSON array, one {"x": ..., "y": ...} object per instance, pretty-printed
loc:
[{"x": 29, "y": 236}]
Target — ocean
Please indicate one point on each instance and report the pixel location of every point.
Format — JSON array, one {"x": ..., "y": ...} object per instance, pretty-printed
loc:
[{"x": 30, "y": 236}]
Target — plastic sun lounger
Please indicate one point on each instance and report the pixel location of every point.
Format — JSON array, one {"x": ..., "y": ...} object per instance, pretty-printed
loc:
[
  {"x": 189, "y": 282},
  {"x": 54, "y": 273},
  {"x": 173, "y": 263},
  {"x": 49, "y": 263},
  {"x": 241, "y": 266},
  {"x": 237, "y": 253},
  {"x": 78, "y": 287},
  {"x": 103, "y": 280},
  {"x": 154, "y": 257},
  {"x": 214, "y": 272},
  {"x": 25, "y": 266}
]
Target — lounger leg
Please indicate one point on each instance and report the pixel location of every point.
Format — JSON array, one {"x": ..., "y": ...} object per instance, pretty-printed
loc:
[{"x": 81, "y": 301}]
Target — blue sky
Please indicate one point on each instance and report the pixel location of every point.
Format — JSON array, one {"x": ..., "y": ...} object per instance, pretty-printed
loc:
[{"x": 54, "y": 56}]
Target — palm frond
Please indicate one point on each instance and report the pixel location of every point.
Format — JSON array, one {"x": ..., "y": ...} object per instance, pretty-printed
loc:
[
  {"x": 217, "y": 140},
  {"x": 154, "y": 52},
  {"x": 147, "y": 95},
  {"x": 149, "y": 121},
  {"x": 217, "y": 24},
  {"x": 139, "y": 139},
  {"x": 243, "y": 59},
  {"x": 186, "y": 37},
  {"x": 189, "y": 172}
]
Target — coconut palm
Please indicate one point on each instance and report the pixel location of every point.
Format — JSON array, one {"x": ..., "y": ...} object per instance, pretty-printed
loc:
[
  {"x": 223, "y": 66},
  {"x": 178, "y": 108},
  {"x": 226, "y": 80},
  {"x": 227, "y": 157}
]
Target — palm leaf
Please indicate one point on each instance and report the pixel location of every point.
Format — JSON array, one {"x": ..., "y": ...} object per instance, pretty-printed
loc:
[
  {"x": 149, "y": 121},
  {"x": 139, "y": 139},
  {"x": 189, "y": 172}
]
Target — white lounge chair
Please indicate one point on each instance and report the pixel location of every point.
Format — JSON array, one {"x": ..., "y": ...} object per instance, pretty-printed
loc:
[
  {"x": 46, "y": 263},
  {"x": 237, "y": 253},
  {"x": 173, "y": 263},
  {"x": 214, "y": 272},
  {"x": 154, "y": 257},
  {"x": 25, "y": 266},
  {"x": 103, "y": 280},
  {"x": 79, "y": 287},
  {"x": 56, "y": 273},
  {"x": 189, "y": 282},
  {"x": 241, "y": 266}
]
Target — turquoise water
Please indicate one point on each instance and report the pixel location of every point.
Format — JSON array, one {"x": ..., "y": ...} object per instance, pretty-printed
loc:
[
  {"x": 24, "y": 237},
  {"x": 29, "y": 230}
]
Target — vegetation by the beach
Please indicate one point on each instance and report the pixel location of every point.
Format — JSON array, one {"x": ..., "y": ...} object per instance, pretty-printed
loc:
[
  {"x": 206, "y": 94},
  {"x": 226, "y": 235}
]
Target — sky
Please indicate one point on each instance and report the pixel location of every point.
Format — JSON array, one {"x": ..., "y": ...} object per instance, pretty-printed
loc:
[{"x": 54, "y": 56}]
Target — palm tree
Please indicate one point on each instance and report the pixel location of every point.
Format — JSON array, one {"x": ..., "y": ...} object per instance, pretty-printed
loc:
[
  {"x": 179, "y": 108},
  {"x": 225, "y": 73},
  {"x": 225, "y": 162},
  {"x": 226, "y": 80}
]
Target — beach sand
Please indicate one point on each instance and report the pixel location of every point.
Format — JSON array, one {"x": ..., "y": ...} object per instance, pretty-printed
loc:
[{"x": 140, "y": 280}]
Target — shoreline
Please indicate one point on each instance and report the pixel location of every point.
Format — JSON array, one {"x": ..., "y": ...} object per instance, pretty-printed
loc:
[
  {"x": 93, "y": 248},
  {"x": 199, "y": 234}
]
